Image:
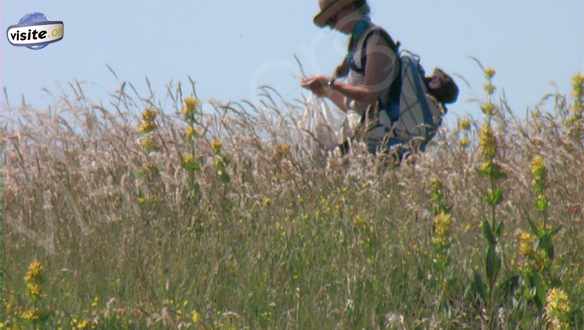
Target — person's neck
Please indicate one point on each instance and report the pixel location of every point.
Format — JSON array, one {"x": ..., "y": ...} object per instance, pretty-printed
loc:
[{"x": 354, "y": 23}]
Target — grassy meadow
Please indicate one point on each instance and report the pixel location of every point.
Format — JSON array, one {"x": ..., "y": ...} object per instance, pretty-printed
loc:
[{"x": 144, "y": 214}]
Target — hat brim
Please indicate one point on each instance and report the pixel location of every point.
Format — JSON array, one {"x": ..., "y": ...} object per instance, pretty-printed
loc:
[{"x": 325, "y": 15}]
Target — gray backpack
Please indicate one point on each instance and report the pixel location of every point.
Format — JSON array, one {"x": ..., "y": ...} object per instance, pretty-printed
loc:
[{"x": 413, "y": 115}]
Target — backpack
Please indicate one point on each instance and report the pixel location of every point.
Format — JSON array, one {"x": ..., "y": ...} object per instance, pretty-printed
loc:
[{"x": 414, "y": 113}]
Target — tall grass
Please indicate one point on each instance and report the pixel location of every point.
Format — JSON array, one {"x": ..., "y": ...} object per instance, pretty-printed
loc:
[{"x": 233, "y": 215}]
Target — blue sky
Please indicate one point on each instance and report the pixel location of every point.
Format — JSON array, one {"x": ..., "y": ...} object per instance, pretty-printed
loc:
[{"x": 231, "y": 47}]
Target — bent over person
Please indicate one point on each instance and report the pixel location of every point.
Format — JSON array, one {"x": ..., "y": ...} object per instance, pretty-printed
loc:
[{"x": 371, "y": 68}]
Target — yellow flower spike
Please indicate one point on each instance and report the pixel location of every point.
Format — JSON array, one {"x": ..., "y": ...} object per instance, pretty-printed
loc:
[
  {"x": 34, "y": 272},
  {"x": 195, "y": 317},
  {"x": 190, "y": 163},
  {"x": 538, "y": 167},
  {"x": 464, "y": 142},
  {"x": 442, "y": 224},
  {"x": 282, "y": 151},
  {"x": 490, "y": 89},
  {"x": 191, "y": 133},
  {"x": 146, "y": 127},
  {"x": 488, "y": 108},
  {"x": 82, "y": 324},
  {"x": 490, "y": 73},
  {"x": 464, "y": 124},
  {"x": 148, "y": 144},
  {"x": 216, "y": 145},
  {"x": 30, "y": 315},
  {"x": 557, "y": 308},
  {"x": 487, "y": 142},
  {"x": 526, "y": 244},
  {"x": 191, "y": 105},
  {"x": 34, "y": 290},
  {"x": 149, "y": 115}
]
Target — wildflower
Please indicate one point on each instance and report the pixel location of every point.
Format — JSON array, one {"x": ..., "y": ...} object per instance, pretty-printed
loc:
[
  {"x": 464, "y": 124},
  {"x": 35, "y": 271},
  {"x": 195, "y": 317},
  {"x": 491, "y": 169},
  {"x": 30, "y": 315},
  {"x": 487, "y": 142},
  {"x": 190, "y": 106},
  {"x": 538, "y": 167},
  {"x": 95, "y": 302},
  {"x": 488, "y": 108},
  {"x": 146, "y": 127},
  {"x": 557, "y": 308},
  {"x": 216, "y": 145},
  {"x": 190, "y": 164},
  {"x": 490, "y": 73},
  {"x": 442, "y": 224},
  {"x": 578, "y": 85},
  {"x": 526, "y": 244},
  {"x": 148, "y": 144},
  {"x": 266, "y": 202},
  {"x": 282, "y": 151},
  {"x": 464, "y": 142},
  {"x": 33, "y": 289},
  {"x": 490, "y": 88},
  {"x": 191, "y": 132},
  {"x": 82, "y": 324},
  {"x": 149, "y": 115},
  {"x": 360, "y": 221}
]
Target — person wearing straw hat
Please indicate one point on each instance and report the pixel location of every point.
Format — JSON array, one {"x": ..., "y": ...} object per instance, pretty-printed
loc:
[{"x": 371, "y": 68}]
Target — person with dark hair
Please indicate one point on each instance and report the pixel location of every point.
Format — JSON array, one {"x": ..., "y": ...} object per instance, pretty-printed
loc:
[{"x": 371, "y": 67}]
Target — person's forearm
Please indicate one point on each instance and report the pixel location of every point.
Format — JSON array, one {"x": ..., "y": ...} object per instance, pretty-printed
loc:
[{"x": 359, "y": 93}]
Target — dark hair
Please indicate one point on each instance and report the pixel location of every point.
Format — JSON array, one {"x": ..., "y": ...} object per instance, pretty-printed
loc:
[{"x": 442, "y": 87}]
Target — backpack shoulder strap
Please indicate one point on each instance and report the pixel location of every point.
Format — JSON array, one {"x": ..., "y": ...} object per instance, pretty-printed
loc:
[{"x": 375, "y": 30}]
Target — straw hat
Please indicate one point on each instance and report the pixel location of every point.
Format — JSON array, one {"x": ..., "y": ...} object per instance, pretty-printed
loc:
[{"x": 328, "y": 9}]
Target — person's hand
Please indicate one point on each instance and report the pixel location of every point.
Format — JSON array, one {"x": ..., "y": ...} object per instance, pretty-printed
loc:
[{"x": 316, "y": 84}]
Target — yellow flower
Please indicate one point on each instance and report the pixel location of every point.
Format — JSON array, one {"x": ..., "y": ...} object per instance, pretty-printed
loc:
[
  {"x": 360, "y": 221},
  {"x": 190, "y": 106},
  {"x": 282, "y": 151},
  {"x": 34, "y": 289},
  {"x": 488, "y": 108},
  {"x": 464, "y": 142},
  {"x": 95, "y": 302},
  {"x": 266, "y": 202},
  {"x": 578, "y": 85},
  {"x": 464, "y": 124},
  {"x": 436, "y": 184},
  {"x": 146, "y": 127},
  {"x": 490, "y": 73},
  {"x": 149, "y": 115},
  {"x": 490, "y": 88},
  {"x": 191, "y": 132},
  {"x": 82, "y": 324},
  {"x": 557, "y": 308},
  {"x": 487, "y": 142},
  {"x": 30, "y": 315},
  {"x": 35, "y": 271},
  {"x": 526, "y": 244},
  {"x": 538, "y": 167},
  {"x": 190, "y": 163},
  {"x": 148, "y": 144},
  {"x": 216, "y": 145},
  {"x": 195, "y": 317},
  {"x": 442, "y": 224}
]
